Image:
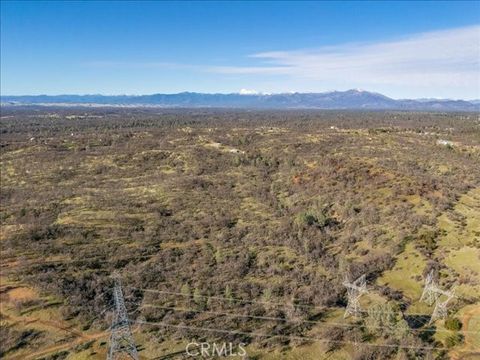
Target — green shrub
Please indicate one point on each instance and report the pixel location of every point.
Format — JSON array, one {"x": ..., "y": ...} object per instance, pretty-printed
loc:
[
  {"x": 307, "y": 219},
  {"x": 453, "y": 340},
  {"x": 318, "y": 219},
  {"x": 453, "y": 324}
]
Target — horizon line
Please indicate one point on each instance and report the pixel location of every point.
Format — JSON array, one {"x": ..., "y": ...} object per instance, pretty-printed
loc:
[{"x": 253, "y": 93}]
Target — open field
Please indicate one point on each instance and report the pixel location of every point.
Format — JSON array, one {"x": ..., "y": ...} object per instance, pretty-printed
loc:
[{"x": 238, "y": 226}]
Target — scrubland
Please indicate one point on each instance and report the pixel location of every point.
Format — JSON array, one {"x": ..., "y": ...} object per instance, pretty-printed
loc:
[{"x": 247, "y": 222}]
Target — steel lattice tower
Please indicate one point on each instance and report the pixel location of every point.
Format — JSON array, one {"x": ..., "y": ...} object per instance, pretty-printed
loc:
[
  {"x": 429, "y": 294},
  {"x": 354, "y": 291},
  {"x": 122, "y": 345},
  {"x": 441, "y": 311}
]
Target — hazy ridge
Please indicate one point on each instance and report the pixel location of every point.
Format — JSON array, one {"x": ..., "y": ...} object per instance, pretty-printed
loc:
[{"x": 350, "y": 99}]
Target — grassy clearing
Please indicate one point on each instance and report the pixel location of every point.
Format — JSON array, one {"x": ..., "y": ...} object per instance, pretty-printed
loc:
[
  {"x": 88, "y": 217},
  {"x": 459, "y": 245},
  {"x": 406, "y": 275},
  {"x": 464, "y": 231},
  {"x": 465, "y": 261},
  {"x": 421, "y": 206},
  {"x": 466, "y": 264}
]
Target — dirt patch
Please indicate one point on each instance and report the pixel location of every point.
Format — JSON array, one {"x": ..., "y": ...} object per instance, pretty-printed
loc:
[
  {"x": 471, "y": 332},
  {"x": 471, "y": 337},
  {"x": 22, "y": 294}
]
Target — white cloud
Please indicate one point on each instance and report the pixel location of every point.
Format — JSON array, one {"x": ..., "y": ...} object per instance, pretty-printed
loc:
[
  {"x": 248, "y": 92},
  {"x": 438, "y": 64},
  {"x": 439, "y": 59}
]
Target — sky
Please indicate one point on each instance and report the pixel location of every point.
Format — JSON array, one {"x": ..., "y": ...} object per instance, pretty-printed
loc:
[{"x": 400, "y": 49}]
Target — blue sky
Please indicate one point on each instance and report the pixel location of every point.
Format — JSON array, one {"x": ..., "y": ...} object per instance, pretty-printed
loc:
[{"x": 401, "y": 49}]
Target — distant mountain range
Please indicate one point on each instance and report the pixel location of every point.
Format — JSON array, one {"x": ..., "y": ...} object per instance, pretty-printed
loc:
[{"x": 350, "y": 99}]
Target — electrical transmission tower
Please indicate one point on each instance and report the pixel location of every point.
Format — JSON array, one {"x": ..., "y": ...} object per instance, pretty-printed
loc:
[
  {"x": 430, "y": 293},
  {"x": 122, "y": 345},
  {"x": 440, "y": 311},
  {"x": 355, "y": 290}
]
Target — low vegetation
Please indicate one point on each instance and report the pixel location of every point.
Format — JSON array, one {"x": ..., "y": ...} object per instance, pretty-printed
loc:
[{"x": 256, "y": 214}]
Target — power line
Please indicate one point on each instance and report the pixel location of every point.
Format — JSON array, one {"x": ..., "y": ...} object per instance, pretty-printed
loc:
[
  {"x": 306, "y": 306},
  {"x": 272, "y": 318},
  {"x": 292, "y": 337},
  {"x": 261, "y": 302},
  {"x": 243, "y": 315},
  {"x": 352, "y": 308},
  {"x": 321, "y": 308}
]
